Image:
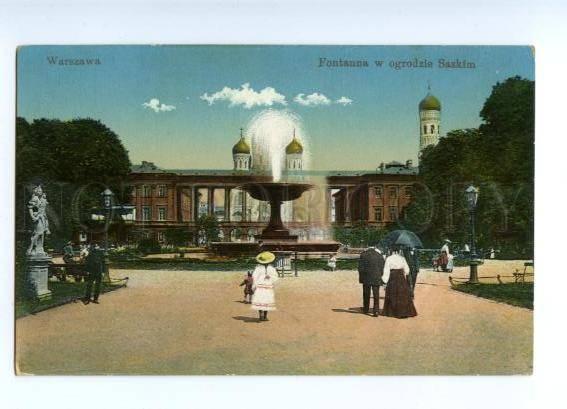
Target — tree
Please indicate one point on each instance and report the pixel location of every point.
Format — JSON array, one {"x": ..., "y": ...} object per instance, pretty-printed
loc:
[
  {"x": 207, "y": 228},
  {"x": 498, "y": 157},
  {"x": 181, "y": 236},
  {"x": 74, "y": 161},
  {"x": 509, "y": 115},
  {"x": 358, "y": 235}
]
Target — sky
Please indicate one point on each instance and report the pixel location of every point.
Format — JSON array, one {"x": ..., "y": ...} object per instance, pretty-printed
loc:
[{"x": 181, "y": 107}]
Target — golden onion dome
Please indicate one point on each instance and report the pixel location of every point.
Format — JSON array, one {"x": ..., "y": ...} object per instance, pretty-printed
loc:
[
  {"x": 430, "y": 103},
  {"x": 241, "y": 146},
  {"x": 294, "y": 146}
]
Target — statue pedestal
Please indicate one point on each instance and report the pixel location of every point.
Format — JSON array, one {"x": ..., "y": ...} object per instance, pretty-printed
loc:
[{"x": 38, "y": 274}]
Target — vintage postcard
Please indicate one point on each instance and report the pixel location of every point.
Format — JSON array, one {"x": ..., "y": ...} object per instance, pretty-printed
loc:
[{"x": 274, "y": 210}]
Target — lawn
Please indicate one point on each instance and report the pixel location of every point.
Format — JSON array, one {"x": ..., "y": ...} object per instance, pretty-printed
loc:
[
  {"x": 518, "y": 294},
  {"x": 242, "y": 264},
  {"x": 61, "y": 293}
]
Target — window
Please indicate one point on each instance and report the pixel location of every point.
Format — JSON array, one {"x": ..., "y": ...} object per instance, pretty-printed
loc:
[
  {"x": 393, "y": 191},
  {"x": 432, "y": 128},
  {"x": 236, "y": 205},
  {"x": 219, "y": 204},
  {"x": 146, "y": 191},
  {"x": 160, "y": 236},
  {"x": 202, "y": 201},
  {"x": 424, "y": 128},
  {"x": 146, "y": 213},
  {"x": 379, "y": 192},
  {"x": 162, "y": 191},
  {"x": 378, "y": 214},
  {"x": 408, "y": 191},
  {"x": 393, "y": 213},
  {"x": 162, "y": 213}
]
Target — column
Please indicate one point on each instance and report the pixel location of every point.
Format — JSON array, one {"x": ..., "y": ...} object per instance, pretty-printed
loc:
[
  {"x": 211, "y": 199},
  {"x": 194, "y": 203},
  {"x": 328, "y": 203},
  {"x": 347, "y": 205},
  {"x": 227, "y": 204},
  {"x": 244, "y": 206}
]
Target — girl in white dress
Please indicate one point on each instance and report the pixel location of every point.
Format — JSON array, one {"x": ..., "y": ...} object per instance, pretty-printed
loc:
[{"x": 265, "y": 275}]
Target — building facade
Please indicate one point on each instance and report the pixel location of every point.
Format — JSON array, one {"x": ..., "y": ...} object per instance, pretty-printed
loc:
[{"x": 166, "y": 199}]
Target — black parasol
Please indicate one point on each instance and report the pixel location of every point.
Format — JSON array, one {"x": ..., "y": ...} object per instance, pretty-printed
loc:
[{"x": 402, "y": 238}]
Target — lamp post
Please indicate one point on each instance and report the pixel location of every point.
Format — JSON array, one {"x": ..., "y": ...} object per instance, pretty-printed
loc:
[
  {"x": 107, "y": 199},
  {"x": 471, "y": 196}
]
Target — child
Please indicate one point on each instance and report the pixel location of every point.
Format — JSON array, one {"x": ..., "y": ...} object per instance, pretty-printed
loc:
[
  {"x": 332, "y": 263},
  {"x": 248, "y": 291},
  {"x": 265, "y": 275}
]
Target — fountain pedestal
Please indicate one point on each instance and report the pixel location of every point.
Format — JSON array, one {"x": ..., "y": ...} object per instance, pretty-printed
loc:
[{"x": 276, "y": 194}]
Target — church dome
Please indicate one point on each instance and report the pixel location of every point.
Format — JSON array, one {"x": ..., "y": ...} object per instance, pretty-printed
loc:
[
  {"x": 430, "y": 103},
  {"x": 294, "y": 146},
  {"x": 241, "y": 146}
]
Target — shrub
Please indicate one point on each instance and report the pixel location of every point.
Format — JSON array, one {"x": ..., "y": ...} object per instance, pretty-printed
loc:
[{"x": 147, "y": 246}]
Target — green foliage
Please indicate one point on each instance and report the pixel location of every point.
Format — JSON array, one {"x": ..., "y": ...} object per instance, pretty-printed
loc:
[
  {"x": 498, "y": 158},
  {"x": 518, "y": 294},
  {"x": 240, "y": 264},
  {"x": 148, "y": 246},
  {"x": 181, "y": 236},
  {"x": 207, "y": 228},
  {"x": 74, "y": 161},
  {"x": 359, "y": 235}
]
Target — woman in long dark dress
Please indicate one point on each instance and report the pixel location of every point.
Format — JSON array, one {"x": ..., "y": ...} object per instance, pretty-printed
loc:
[{"x": 398, "y": 301}]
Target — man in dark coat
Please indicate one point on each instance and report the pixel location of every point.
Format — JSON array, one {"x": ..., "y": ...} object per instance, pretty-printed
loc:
[
  {"x": 94, "y": 265},
  {"x": 412, "y": 258},
  {"x": 370, "y": 270}
]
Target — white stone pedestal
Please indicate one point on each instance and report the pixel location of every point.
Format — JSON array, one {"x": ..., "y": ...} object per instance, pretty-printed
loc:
[{"x": 38, "y": 273}]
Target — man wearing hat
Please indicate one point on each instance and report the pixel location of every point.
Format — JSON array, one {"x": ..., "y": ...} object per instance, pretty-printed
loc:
[
  {"x": 95, "y": 266},
  {"x": 370, "y": 270},
  {"x": 264, "y": 276}
]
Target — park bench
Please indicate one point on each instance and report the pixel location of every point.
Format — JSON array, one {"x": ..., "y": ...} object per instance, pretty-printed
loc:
[
  {"x": 62, "y": 270},
  {"x": 284, "y": 263},
  {"x": 520, "y": 276}
]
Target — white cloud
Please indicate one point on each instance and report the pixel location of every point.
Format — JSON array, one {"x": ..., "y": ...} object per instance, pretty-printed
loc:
[
  {"x": 246, "y": 96},
  {"x": 156, "y": 106},
  {"x": 312, "y": 99},
  {"x": 344, "y": 101}
]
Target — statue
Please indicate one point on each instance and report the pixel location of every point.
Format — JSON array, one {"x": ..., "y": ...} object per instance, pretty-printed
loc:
[
  {"x": 37, "y": 259},
  {"x": 37, "y": 207}
]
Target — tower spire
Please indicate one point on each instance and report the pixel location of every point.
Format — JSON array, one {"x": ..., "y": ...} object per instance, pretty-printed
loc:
[
  {"x": 428, "y": 86},
  {"x": 241, "y": 135}
]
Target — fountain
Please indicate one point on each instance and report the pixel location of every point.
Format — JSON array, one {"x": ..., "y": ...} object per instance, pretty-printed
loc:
[
  {"x": 276, "y": 193},
  {"x": 273, "y": 154}
]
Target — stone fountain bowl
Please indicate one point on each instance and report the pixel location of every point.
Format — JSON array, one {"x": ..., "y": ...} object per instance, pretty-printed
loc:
[{"x": 276, "y": 191}]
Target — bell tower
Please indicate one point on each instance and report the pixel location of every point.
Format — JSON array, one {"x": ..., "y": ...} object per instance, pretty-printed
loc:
[{"x": 429, "y": 120}]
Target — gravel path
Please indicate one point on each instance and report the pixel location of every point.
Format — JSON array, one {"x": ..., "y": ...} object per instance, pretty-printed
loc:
[{"x": 182, "y": 322}]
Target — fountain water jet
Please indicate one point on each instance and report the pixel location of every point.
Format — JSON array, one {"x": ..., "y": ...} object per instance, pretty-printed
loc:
[
  {"x": 271, "y": 135},
  {"x": 270, "y": 132}
]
